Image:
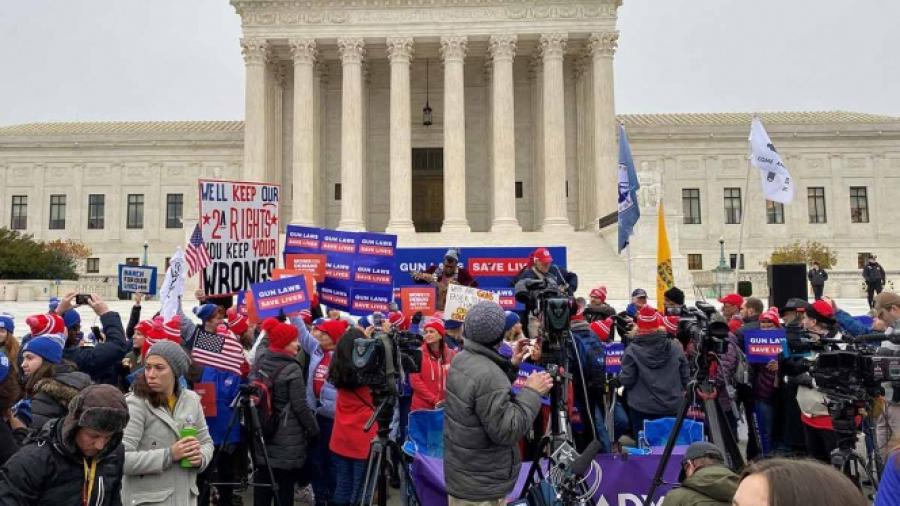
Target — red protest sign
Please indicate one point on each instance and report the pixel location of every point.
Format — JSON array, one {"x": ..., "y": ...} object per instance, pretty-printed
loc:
[
  {"x": 418, "y": 298},
  {"x": 307, "y": 262},
  {"x": 207, "y": 393}
]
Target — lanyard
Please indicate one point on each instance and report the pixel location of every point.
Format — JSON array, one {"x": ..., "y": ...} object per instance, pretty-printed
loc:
[{"x": 89, "y": 474}]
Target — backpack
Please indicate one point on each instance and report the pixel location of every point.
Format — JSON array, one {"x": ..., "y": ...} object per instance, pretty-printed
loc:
[
  {"x": 742, "y": 370},
  {"x": 263, "y": 398},
  {"x": 593, "y": 359}
]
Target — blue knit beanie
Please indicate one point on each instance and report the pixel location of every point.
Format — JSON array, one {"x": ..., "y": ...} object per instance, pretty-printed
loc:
[
  {"x": 452, "y": 324},
  {"x": 511, "y": 319},
  {"x": 53, "y": 303},
  {"x": 72, "y": 318},
  {"x": 205, "y": 311},
  {"x": 46, "y": 347},
  {"x": 7, "y": 322},
  {"x": 364, "y": 322}
]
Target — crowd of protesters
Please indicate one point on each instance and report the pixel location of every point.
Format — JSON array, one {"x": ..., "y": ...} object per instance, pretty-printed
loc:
[{"x": 133, "y": 414}]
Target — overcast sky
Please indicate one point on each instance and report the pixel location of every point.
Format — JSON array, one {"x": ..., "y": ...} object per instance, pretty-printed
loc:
[{"x": 66, "y": 60}]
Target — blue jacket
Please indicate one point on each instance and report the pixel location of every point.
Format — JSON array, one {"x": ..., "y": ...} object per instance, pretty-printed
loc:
[
  {"x": 889, "y": 488},
  {"x": 227, "y": 386},
  {"x": 325, "y": 404},
  {"x": 849, "y": 324}
]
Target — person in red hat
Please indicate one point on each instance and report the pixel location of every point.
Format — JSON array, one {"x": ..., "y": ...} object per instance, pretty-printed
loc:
[
  {"x": 731, "y": 310},
  {"x": 240, "y": 325},
  {"x": 597, "y": 308},
  {"x": 429, "y": 385},
  {"x": 541, "y": 267},
  {"x": 655, "y": 371}
]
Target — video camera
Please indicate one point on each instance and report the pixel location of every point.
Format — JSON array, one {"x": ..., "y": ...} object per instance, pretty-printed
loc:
[
  {"x": 695, "y": 326},
  {"x": 552, "y": 303}
]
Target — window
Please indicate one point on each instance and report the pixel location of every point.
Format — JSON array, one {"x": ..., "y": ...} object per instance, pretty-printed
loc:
[
  {"x": 859, "y": 204},
  {"x": 815, "y": 198},
  {"x": 96, "y": 211},
  {"x": 733, "y": 259},
  {"x": 19, "y": 218},
  {"x": 862, "y": 259},
  {"x": 135, "y": 217},
  {"x": 519, "y": 190},
  {"x": 93, "y": 266},
  {"x": 168, "y": 259},
  {"x": 774, "y": 213},
  {"x": 695, "y": 262},
  {"x": 57, "y": 212},
  {"x": 133, "y": 261},
  {"x": 690, "y": 204},
  {"x": 174, "y": 205},
  {"x": 732, "y": 206},
  {"x": 337, "y": 191}
]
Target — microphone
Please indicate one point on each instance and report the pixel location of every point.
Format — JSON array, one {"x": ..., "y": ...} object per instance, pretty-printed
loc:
[{"x": 581, "y": 465}]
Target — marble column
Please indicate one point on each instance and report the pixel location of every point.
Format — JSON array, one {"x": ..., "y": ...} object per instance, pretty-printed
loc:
[
  {"x": 536, "y": 74},
  {"x": 256, "y": 52},
  {"x": 606, "y": 150},
  {"x": 503, "y": 153},
  {"x": 453, "y": 51},
  {"x": 553, "y": 46},
  {"x": 400, "y": 51},
  {"x": 304, "y": 53},
  {"x": 352, "y": 51}
]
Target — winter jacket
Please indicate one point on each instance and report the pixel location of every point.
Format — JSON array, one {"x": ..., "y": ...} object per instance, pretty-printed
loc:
[
  {"x": 764, "y": 380},
  {"x": 724, "y": 379},
  {"x": 889, "y": 487},
  {"x": 324, "y": 405},
  {"x": 483, "y": 422},
  {"x": 133, "y": 319},
  {"x": 101, "y": 362},
  {"x": 601, "y": 311},
  {"x": 227, "y": 384},
  {"x": 556, "y": 276},
  {"x": 654, "y": 374},
  {"x": 49, "y": 470},
  {"x": 296, "y": 420},
  {"x": 10, "y": 441},
  {"x": 429, "y": 385},
  {"x": 713, "y": 485},
  {"x": 150, "y": 475},
  {"x": 817, "y": 277},
  {"x": 353, "y": 409},
  {"x": 850, "y": 325},
  {"x": 873, "y": 274},
  {"x": 52, "y": 395}
]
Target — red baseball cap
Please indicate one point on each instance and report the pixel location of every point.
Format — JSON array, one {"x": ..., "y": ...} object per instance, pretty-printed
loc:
[
  {"x": 733, "y": 299},
  {"x": 542, "y": 255}
]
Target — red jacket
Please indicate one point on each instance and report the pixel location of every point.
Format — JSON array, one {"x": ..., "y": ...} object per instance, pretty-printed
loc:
[
  {"x": 353, "y": 409},
  {"x": 429, "y": 385}
]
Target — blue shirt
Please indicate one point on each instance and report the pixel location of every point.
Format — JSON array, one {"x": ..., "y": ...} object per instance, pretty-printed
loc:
[{"x": 889, "y": 487}]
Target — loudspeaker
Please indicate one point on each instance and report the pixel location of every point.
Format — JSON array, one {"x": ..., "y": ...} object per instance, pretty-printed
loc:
[
  {"x": 745, "y": 289},
  {"x": 787, "y": 281}
]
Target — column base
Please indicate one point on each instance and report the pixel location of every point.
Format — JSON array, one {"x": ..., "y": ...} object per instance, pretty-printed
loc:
[
  {"x": 455, "y": 226},
  {"x": 400, "y": 227},
  {"x": 303, "y": 222},
  {"x": 556, "y": 225},
  {"x": 351, "y": 226},
  {"x": 506, "y": 225}
]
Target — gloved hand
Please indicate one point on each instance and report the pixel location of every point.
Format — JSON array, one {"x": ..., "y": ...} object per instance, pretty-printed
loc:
[
  {"x": 22, "y": 411},
  {"x": 614, "y": 383}
]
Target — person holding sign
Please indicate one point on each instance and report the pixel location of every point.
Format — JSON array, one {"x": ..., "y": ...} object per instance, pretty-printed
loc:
[
  {"x": 429, "y": 385},
  {"x": 447, "y": 273}
]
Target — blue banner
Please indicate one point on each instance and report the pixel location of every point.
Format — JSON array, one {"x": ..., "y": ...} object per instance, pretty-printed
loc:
[
  {"x": 763, "y": 346},
  {"x": 614, "y": 352},
  {"x": 335, "y": 295},
  {"x": 525, "y": 370},
  {"x": 303, "y": 239},
  {"x": 364, "y": 301},
  {"x": 286, "y": 294},
  {"x": 137, "y": 278}
]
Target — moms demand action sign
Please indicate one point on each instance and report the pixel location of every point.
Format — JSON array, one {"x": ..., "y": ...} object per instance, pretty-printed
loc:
[{"x": 239, "y": 222}]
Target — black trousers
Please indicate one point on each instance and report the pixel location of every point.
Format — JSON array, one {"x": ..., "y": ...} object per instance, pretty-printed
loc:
[
  {"x": 229, "y": 467},
  {"x": 817, "y": 291},
  {"x": 820, "y": 443},
  {"x": 872, "y": 289},
  {"x": 286, "y": 479}
]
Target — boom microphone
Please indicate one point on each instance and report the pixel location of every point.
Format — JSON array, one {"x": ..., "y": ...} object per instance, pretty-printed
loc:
[{"x": 581, "y": 465}]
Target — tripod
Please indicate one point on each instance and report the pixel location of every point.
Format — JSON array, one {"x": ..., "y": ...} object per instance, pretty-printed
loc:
[
  {"x": 845, "y": 457},
  {"x": 245, "y": 411},
  {"x": 376, "y": 467}
]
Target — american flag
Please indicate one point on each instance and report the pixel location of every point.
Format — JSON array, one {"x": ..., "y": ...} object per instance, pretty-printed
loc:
[
  {"x": 219, "y": 351},
  {"x": 196, "y": 255}
]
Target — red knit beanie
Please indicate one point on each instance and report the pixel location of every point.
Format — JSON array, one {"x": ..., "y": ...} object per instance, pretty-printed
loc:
[
  {"x": 648, "y": 318},
  {"x": 437, "y": 325},
  {"x": 281, "y": 335}
]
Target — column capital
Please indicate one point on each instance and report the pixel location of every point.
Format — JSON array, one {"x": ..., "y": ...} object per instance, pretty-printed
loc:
[
  {"x": 304, "y": 51},
  {"x": 583, "y": 62},
  {"x": 453, "y": 47},
  {"x": 502, "y": 47},
  {"x": 255, "y": 51},
  {"x": 351, "y": 49},
  {"x": 400, "y": 49},
  {"x": 553, "y": 45},
  {"x": 604, "y": 43}
]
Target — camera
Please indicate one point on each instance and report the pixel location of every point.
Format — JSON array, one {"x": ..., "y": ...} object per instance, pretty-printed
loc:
[
  {"x": 553, "y": 304},
  {"x": 82, "y": 299},
  {"x": 695, "y": 326}
]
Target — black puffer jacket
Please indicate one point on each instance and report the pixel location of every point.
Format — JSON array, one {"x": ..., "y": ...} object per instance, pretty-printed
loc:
[
  {"x": 296, "y": 420},
  {"x": 49, "y": 469},
  {"x": 52, "y": 395},
  {"x": 101, "y": 362}
]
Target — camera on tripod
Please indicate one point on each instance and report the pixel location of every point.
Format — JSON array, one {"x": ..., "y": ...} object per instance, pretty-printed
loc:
[
  {"x": 853, "y": 373},
  {"x": 696, "y": 326},
  {"x": 552, "y": 303},
  {"x": 376, "y": 358}
]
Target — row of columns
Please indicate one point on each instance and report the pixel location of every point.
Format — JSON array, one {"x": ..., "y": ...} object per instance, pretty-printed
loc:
[{"x": 400, "y": 50}]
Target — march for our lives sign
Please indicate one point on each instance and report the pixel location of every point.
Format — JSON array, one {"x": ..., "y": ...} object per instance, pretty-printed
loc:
[
  {"x": 137, "y": 279},
  {"x": 285, "y": 294},
  {"x": 763, "y": 346}
]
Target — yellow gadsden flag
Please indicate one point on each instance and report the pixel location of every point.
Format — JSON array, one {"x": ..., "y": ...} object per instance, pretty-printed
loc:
[{"x": 664, "y": 277}]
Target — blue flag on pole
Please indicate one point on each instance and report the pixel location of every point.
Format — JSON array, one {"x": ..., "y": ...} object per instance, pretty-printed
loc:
[{"x": 629, "y": 211}]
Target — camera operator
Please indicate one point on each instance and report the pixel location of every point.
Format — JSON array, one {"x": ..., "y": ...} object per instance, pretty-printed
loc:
[
  {"x": 654, "y": 373},
  {"x": 887, "y": 311},
  {"x": 541, "y": 271},
  {"x": 483, "y": 422}
]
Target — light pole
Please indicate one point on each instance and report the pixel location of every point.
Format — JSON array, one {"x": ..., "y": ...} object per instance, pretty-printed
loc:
[
  {"x": 722, "y": 264},
  {"x": 723, "y": 270},
  {"x": 146, "y": 245}
]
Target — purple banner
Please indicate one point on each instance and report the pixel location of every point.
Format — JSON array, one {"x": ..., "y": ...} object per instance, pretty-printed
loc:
[
  {"x": 526, "y": 370},
  {"x": 614, "y": 352},
  {"x": 286, "y": 294},
  {"x": 624, "y": 482},
  {"x": 763, "y": 346}
]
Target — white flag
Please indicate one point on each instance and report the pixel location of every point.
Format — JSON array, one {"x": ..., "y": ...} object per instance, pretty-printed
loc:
[
  {"x": 777, "y": 184},
  {"x": 173, "y": 286}
]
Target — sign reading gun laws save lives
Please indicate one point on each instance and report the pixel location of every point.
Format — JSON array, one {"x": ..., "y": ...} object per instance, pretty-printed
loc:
[{"x": 239, "y": 222}]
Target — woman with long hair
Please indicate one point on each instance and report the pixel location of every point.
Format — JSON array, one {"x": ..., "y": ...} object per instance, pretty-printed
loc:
[
  {"x": 778, "y": 482},
  {"x": 50, "y": 382},
  {"x": 8, "y": 342},
  {"x": 162, "y": 459},
  {"x": 12, "y": 430},
  {"x": 429, "y": 385},
  {"x": 349, "y": 444}
]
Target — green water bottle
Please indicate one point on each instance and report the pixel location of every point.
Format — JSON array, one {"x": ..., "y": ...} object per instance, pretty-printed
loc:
[{"x": 188, "y": 429}]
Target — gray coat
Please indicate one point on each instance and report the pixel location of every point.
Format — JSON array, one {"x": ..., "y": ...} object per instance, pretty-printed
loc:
[
  {"x": 296, "y": 420},
  {"x": 655, "y": 374},
  {"x": 483, "y": 421},
  {"x": 150, "y": 475}
]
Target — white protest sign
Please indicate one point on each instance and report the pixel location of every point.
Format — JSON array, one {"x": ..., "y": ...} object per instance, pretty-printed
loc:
[
  {"x": 239, "y": 223},
  {"x": 173, "y": 286},
  {"x": 461, "y": 298}
]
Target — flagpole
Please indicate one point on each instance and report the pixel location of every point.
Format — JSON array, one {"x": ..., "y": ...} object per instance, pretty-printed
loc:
[
  {"x": 628, "y": 267},
  {"x": 737, "y": 262}
]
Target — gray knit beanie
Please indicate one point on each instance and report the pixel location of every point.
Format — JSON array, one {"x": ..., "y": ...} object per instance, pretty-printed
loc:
[
  {"x": 172, "y": 353},
  {"x": 484, "y": 323}
]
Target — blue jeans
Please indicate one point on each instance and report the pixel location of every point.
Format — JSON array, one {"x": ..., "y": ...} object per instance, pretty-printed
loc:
[
  {"x": 620, "y": 426},
  {"x": 318, "y": 462},
  {"x": 765, "y": 413},
  {"x": 349, "y": 475}
]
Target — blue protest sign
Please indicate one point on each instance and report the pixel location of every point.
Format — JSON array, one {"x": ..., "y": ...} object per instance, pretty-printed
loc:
[
  {"x": 614, "y": 352},
  {"x": 364, "y": 301},
  {"x": 763, "y": 346},
  {"x": 526, "y": 370},
  {"x": 285, "y": 294},
  {"x": 374, "y": 263},
  {"x": 335, "y": 295},
  {"x": 137, "y": 278},
  {"x": 303, "y": 239}
]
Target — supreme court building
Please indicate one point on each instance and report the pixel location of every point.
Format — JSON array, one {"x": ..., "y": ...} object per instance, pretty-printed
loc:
[{"x": 463, "y": 123}]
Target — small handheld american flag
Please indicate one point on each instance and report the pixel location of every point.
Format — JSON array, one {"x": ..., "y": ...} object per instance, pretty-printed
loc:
[
  {"x": 196, "y": 255},
  {"x": 220, "y": 350}
]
